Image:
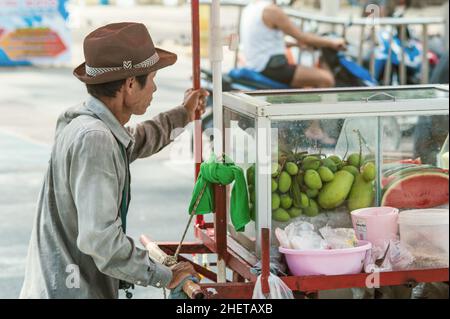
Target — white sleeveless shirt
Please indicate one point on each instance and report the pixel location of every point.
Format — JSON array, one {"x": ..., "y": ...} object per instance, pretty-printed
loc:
[{"x": 259, "y": 42}]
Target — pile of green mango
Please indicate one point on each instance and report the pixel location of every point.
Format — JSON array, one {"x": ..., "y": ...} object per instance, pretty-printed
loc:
[{"x": 309, "y": 184}]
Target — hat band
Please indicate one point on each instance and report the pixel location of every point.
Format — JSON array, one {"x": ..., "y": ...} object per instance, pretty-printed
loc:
[{"x": 127, "y": 65}]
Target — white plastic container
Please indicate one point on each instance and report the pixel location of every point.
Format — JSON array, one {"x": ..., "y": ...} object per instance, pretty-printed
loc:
[{"x": 424, "y": 232}]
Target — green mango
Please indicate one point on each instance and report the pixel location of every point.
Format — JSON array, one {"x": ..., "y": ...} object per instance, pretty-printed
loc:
[
  {"x": 295, "y": 212},
  {"x": 313, "y": 180},
  {"x": 252, "y": 212},
  {"x": 296, "y": 192},
  {"x": 329, "y": 163},
  {"x": 286, "y": 201},
  {"x": 285, "y": 182},
  {"x": 326, "y": 175},
  {"x": 351, "y": 169},
  {"x": 291, "y": 168},
  {"x": 251, "y": 175},
  {"x": 362, "y": 194},
  {"x": 304, "y": 201},
  {"x": 252, "y": 196},
  {"x": 276, "y": 168},
  {"x": 336, "y": 159},
  {"x": 311, "y": 162},
  {"x": 276, "y": 201},
  {"x": 369, "y": 172},
  {"x": 301, "y": 179},
  {"x": 354, "y": 160},
  {"x": 312, "y": 193},
  {"x": 312, "y": 210},
  {"x": 336, "y": 192},
  {"x": 274, "y": 185},
  {"x": 281, "y": 215}
]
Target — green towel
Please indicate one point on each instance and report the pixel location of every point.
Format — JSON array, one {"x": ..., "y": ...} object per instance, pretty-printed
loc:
[{"x": 216, "y": 172}]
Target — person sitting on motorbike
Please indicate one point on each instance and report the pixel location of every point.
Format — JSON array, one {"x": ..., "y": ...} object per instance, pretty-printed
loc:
[{"x": 264, "y": 26}]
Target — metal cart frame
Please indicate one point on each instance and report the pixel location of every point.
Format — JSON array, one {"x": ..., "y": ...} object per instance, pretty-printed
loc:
[{"x": 213, "y": 238}]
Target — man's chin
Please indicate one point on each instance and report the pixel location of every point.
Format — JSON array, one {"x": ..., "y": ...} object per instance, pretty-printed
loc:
[{"x": 142, "y": 112}]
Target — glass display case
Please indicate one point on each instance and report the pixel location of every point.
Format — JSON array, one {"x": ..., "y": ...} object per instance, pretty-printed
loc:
[{"x": 319, "y": 154}]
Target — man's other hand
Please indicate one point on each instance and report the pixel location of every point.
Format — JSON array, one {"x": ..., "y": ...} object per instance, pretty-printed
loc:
[
  {"x": 195, "y": 101},
  {"x": 181, "y": 271}
]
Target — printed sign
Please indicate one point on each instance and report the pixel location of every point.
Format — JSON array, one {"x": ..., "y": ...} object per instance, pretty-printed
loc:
[{"x": 34, "y": 32}]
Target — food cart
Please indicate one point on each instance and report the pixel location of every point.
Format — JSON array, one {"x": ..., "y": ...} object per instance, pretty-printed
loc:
[{"x": 363, "y": 120}]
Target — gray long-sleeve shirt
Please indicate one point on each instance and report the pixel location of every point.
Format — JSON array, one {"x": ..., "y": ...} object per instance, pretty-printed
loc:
[{"x": 78, "y": 248}]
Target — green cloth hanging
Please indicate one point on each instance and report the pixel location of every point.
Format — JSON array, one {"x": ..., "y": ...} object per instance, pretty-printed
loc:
[
  {"x": 126, "y": 196},
  {"x": 224, "y": 173}
]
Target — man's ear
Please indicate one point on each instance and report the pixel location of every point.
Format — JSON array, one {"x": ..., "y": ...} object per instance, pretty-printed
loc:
[{"x": 129, "y": 84}]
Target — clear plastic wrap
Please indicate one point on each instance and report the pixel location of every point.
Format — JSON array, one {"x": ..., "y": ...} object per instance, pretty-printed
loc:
[
  {"x": 278, "y": 289},
  {"x": 339, "y": 238}
]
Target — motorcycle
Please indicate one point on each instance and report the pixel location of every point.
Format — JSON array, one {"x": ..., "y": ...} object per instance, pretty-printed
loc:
[
  {"x": 345, "y": 70},
  {"x": 412, "y": 49},
  {"x": 347, "y": 73}
]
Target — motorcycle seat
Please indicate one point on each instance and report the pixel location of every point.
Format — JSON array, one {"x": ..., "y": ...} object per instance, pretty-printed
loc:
[{"x": 255, "y": 79}]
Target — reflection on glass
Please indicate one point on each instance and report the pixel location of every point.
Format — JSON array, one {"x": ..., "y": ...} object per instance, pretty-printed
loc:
[{"x": 325, "y": 97}]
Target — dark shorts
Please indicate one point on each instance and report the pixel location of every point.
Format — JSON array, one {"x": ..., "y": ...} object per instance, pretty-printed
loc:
[{"x": 278, "y": 69}]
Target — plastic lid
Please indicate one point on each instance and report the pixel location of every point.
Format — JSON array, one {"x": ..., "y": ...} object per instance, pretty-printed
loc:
[
  {"x": 375, "y": 211},
  {"x": 425, "y": 217}
]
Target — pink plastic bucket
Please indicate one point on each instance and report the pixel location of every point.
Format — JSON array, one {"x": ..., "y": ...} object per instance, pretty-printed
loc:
[
  {"x": 327, "y": 262},
  {"x": 377, "y": 225}
]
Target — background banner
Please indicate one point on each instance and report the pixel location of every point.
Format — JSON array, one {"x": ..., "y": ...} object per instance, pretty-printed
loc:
[{"x": 34, "y": 32}]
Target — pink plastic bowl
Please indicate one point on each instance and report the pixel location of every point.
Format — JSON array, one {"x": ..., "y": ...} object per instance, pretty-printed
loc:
[{"x": 327, "y": 262}]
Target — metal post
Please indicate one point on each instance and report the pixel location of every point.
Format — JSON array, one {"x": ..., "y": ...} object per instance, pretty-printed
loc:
[
  {"x": 195, "y": 21},
  {"x": 236, "y": 53},
  {"x": 263, "y": 178},
  {"x": 372, "y": 54},
  {"x": 403, "y": 57},
  {"x": 220, "y": 191},
  {"x": 425, "y": 62},
  {"x": 361, "y": 44},
  {"x": 265, "y": 261},
  {"x": 388, "y": 66},
  {"x": 330, "y": 8}
]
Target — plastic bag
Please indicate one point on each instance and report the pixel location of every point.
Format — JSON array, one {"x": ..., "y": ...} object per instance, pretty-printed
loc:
[
  {"x": 302, "y": 236},
  {"x": 398, "y": 256},
  {"x": 308, "y": 241},
  {"x": 339, "y": 238},
  {"x": 282, "y": 238},
  {"x": 278, "y": 289},
  {"x": 277, "y": 265},
  {"x": 393, "y": 256}
]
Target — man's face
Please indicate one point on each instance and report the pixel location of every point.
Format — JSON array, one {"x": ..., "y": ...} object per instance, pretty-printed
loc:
[{"x": 137, "y": 98}]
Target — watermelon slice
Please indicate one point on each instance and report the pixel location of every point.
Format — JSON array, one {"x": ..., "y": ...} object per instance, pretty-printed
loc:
[
  {"x": 401, "y": 172},
  {"x": 422, "y": 189}
]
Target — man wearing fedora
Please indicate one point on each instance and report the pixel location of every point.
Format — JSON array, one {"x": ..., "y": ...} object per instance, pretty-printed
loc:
[{"x": 78, "y": 246}]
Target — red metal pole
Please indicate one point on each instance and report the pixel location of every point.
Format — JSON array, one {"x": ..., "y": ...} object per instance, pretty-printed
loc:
[
  {"x": 195, "y": 20},
  {"x": 265, "y": 260}
]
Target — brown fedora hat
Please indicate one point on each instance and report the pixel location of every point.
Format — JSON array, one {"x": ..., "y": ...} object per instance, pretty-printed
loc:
[{"x": 118, "y": 51}]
